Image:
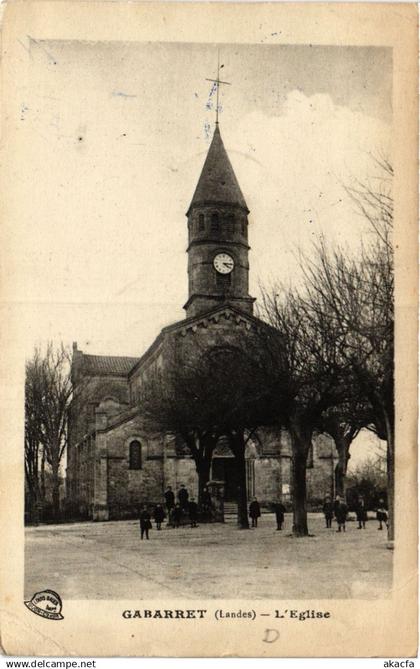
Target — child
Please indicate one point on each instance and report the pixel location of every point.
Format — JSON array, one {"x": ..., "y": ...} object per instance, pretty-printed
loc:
[
  {"x": 193, "y": 511},
  {"x": 254, "y": 512},
  {"x": 159, "y": 516},
  {"x": 340, "y": 510},
  {"x": 361, "y": 513},
  {"x": 145, "y": 524},
  {"x": 176, "y": 515},
  {"x": 381, "y": 514}
]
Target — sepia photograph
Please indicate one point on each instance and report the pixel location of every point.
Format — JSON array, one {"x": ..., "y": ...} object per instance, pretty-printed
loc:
[
  {"x": 246, "y": 215},
  {"x": 204, "y": 252}
]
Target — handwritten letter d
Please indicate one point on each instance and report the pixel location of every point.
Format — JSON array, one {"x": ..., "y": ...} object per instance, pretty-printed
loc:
[{"x": 271, "y": 635}]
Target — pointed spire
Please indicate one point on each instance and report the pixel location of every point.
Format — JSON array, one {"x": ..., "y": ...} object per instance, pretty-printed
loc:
[{"x": 217, "y": 182}]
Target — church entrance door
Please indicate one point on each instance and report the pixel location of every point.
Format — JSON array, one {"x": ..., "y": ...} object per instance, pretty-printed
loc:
[{"x": 224, "y": 469}]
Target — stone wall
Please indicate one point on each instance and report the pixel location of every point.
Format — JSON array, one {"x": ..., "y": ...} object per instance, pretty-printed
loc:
[
  {"x": 183, "y": 471},
  {"x": 80, "y": 478},
  {"x": 225, "y": 328},
  {"x": 320, "y": 477},
  {"x": 286, "y": 480},
  {"x": 129, "y": 488},
  {"x": 91, "y": 392},
  {"x": 267, "y": 480},
  {"x": 112, "y": 393}
]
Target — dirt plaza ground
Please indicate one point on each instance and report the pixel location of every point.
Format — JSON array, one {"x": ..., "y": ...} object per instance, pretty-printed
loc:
[{"x": 109, "y": 561}]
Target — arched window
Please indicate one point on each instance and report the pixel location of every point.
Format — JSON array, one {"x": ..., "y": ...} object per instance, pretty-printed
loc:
[
  {"x": 243, "y": 226},
  {"x": 135, "y": 455},
  {"x": 215, "y": 222},
  {"x": 201, "y": 225}
]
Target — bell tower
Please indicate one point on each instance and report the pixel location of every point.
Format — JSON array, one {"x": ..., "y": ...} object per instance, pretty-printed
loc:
[{"x": 217, "y": 237}]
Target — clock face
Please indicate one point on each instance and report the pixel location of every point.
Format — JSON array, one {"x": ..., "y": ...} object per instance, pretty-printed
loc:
[{"x": 223, "y": 263}]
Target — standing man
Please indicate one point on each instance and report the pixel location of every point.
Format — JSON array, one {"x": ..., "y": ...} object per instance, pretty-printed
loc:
[
  {"x": 254, "y": 512},
  {"x": 192, "y": 510},
  {"x": 328, "y": 510},
  {"x": 279, "y": 510},
  {"x": 169, "y": 499},
  {"x": 145, "y": 524},
  {"x": 361, "y": 513},
  {"x": 183, "y": 497}
]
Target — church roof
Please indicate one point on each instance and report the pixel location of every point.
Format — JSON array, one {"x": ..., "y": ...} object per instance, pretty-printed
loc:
[
  {"x": 217, "y": 182},
  {"x": 108, "y": 364}
]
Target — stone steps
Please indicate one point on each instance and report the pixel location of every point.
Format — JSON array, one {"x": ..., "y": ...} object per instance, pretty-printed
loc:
[{"x": 231, "y": 508}]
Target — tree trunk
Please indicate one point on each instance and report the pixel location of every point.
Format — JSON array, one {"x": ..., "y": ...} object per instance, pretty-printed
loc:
[
  {"x": 43, "y": 476},
  {"x": 342, "y": 446},
  {"x": 33, "y": 505},
  {"x": 301, "y": 441},
  {"x": 32, "y": 481},
  {"x": 300, "y": 513},
  {"x": 243, "y": 521},
  {"x": 203, "y": 470},
  {"x": 55, "y": 490},
  {"x": 391, "y": 495},
  {"x": 237, "y": 444},
  {"x": 390, "y": 460},
  {"x": 203, "y": 453}
]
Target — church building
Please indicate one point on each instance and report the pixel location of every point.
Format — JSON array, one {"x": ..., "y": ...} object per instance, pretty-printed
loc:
[{"x": 113, "y": 462}]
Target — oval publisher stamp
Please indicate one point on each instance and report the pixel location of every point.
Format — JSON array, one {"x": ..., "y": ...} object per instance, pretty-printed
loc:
[{"x": 46, "y": 604}]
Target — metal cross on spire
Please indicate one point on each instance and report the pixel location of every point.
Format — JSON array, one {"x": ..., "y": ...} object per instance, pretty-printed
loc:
[{"x": 218, "y": 81}]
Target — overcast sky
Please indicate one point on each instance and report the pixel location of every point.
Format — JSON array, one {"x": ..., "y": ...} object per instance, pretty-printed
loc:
[
  {"x": 114, "y": 137},
  {"x": 118, "y": 135}
]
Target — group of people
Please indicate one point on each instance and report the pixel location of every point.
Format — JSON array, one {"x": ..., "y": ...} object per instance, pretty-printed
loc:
[
  {"x": 339, "y": 509},
  {"x": 255, "y": 512},
  {"x": 182, "y": 506},
  {"x": 176, "y": 510}
]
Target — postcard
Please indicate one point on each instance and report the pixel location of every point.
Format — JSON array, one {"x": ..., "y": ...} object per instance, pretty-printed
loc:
[{"x": 209, "y": 342}]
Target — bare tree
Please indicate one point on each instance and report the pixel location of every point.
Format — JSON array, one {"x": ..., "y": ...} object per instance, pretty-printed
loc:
[
  {"x": 358, "y": 296},
  {"x": 48, "y": 396},
  {"x": 343, "y": 423},
  {"x": 178, "y": 401},
  {"x": 307, "y": 380},
  {"x": 244, "y": 402},
  {"x": 33, "y": 433},
  {"x": 374, "y": 201},
  {"x": 369, "y": 479},
  {"x": 214, "y": 392}
]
